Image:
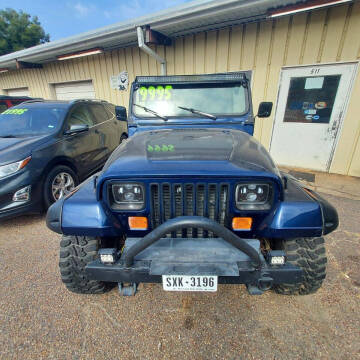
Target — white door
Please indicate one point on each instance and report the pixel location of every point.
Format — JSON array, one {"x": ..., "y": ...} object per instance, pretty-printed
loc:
[
  {"x": 18, "y": 92},
  {"x": 75, "y": 90},
  {"x": 310, "y": 110}
]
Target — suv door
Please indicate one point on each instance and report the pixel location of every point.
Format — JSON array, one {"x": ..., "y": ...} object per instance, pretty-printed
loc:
[
  {"x": 107, "y": 126},
  {"x": 83, "y": 147}
]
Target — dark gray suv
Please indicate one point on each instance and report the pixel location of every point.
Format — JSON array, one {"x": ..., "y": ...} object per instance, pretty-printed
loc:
[{"x": 48, "y": 147}]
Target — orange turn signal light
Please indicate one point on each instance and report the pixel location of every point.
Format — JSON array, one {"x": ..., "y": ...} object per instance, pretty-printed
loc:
[
  {"x": 24, "y": 162},
  {"x": 242, "y": 223},
  {"x": 138, "y": 222}
]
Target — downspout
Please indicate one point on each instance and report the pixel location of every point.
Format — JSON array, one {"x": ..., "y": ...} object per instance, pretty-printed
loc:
[{"x": 149, "y": 51}]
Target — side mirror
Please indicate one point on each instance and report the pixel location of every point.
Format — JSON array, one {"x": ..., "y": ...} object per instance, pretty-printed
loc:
[
  {"x": 121, "y": 113},
  {"x": 265, "y": 108},
  {"x": 75, "y": 129}
]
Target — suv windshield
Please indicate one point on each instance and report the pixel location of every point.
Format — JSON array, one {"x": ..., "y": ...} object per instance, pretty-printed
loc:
[
  {"x": 167, "y": 100},
  {"x": 31, "y": 120}
]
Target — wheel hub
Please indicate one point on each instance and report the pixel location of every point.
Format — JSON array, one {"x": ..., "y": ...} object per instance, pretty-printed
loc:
[{"x": 62, "y": 185}]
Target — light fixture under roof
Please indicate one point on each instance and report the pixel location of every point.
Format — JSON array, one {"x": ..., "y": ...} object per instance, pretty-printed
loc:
[
  {"x": 311, "y": 5},
  {"x": 80, "y": 54}
]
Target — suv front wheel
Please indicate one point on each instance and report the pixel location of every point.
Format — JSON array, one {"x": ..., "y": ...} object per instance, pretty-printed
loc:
[{"x": 59, "y": 182}]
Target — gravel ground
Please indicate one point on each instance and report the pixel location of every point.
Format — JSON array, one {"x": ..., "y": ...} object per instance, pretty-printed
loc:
[{"x": 40, "y": 319}]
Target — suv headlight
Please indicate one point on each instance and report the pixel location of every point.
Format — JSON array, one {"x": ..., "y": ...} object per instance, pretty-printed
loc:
[
  {"x": 127, "y": 196},
  {"x": 255, "y": 196},
  {"x": 12, "y": 168}
]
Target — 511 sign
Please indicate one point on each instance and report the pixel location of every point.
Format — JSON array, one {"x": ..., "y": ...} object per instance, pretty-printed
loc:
[{"x": 315, "y": 71}]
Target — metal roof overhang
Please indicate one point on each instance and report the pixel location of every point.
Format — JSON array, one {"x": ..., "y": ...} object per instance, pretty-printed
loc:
[{"x": 185, "y": 19}]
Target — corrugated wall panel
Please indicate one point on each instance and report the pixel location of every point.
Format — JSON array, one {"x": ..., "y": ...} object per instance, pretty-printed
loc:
[
  {"x": 335, "y": 28},
  {"x": 323, "y": 36},
  {"x": 235, "y": 48},
  {"x": 248, "y": 49},
  {"x": 222, "y": 51},
  {"x": 296, "y": 39},
  {"x": 199, "y": 53},
  {"x": 170, "y": 59},
  {"x": 157, "y": 70},
  {"x": 259, "y": 83},
  {"x": 210, "y": 52},
  {"x": 179, "y": 56},
  {"x": 275, "y": 62},
  {"x": 350, "y": 49},
  {"x": 189, "y": 55},
  {"x": 314, "y": 36}
]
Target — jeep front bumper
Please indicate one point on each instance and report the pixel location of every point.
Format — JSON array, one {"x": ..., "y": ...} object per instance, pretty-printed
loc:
[{"x": 234, "y": 260}]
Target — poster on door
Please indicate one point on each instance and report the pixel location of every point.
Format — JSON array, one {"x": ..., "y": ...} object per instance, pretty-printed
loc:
[{"x": 311, "y": 99}]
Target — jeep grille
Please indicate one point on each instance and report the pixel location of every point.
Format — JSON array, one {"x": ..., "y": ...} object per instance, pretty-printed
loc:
[{"x": 188, "y": 199}]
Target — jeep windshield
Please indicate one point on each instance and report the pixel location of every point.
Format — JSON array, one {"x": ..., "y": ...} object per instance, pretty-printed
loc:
[
  {"x": 31, "y": 120},
  {"x": 209, "y": 100}
]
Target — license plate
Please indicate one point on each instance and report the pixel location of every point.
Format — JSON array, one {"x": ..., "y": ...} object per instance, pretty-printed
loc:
[{"x": 189, "y": 283}]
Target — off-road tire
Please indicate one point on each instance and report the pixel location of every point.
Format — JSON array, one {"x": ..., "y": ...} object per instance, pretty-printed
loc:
[
  {"x": 309, "y": 254},
  {"x": 75, "y": 253}
]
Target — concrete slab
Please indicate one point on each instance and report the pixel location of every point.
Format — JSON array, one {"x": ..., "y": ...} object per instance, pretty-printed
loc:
[{"x": 333, "y": 184}]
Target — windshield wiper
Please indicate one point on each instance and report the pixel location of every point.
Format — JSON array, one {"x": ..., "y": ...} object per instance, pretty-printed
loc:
[
  {"x": 7, "y": 136},
  {"x": 151, "y": 111},
  {"x": 198, "y": 112}
]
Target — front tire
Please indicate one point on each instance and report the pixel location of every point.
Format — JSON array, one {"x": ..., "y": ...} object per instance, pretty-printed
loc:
[
  {"x": 308, "y": 254},
  {"x": 58, "y": 182},
  {"x": 75, "y": 253}
]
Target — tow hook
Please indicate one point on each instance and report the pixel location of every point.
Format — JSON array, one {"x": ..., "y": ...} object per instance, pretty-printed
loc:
[
  {"x": 264, "y": 283},
  {"x": 127, "y": 290}
]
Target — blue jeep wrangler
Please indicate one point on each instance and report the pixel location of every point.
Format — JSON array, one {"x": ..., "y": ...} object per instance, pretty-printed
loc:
[{"x": 192, "y": 200}]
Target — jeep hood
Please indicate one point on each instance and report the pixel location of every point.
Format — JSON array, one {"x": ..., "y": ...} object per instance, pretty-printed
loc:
[{"x": 189, "y": 152}]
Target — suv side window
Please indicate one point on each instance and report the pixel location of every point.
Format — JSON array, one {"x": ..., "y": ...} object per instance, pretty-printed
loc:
[
  {"x": 100, "y": 113},
  {"x": 80, "y": 115},
  {"x": 110, "y": 109}
]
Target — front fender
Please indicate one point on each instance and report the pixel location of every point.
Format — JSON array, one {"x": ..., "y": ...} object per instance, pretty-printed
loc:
[
  {"x": 293, "y": 219},
  {"x": 303, "y": 213},
  {"x": 82, "y": 214}
]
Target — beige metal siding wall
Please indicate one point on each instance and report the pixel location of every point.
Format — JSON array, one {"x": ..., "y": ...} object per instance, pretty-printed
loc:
[{"x": 323, "y": 36}]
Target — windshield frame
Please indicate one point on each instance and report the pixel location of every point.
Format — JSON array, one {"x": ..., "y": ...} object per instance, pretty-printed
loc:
[{"x": 137, "y": 85}]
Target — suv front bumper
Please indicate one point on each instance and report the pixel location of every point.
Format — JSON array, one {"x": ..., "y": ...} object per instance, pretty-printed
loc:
[{"x": 234, "y": 260}]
